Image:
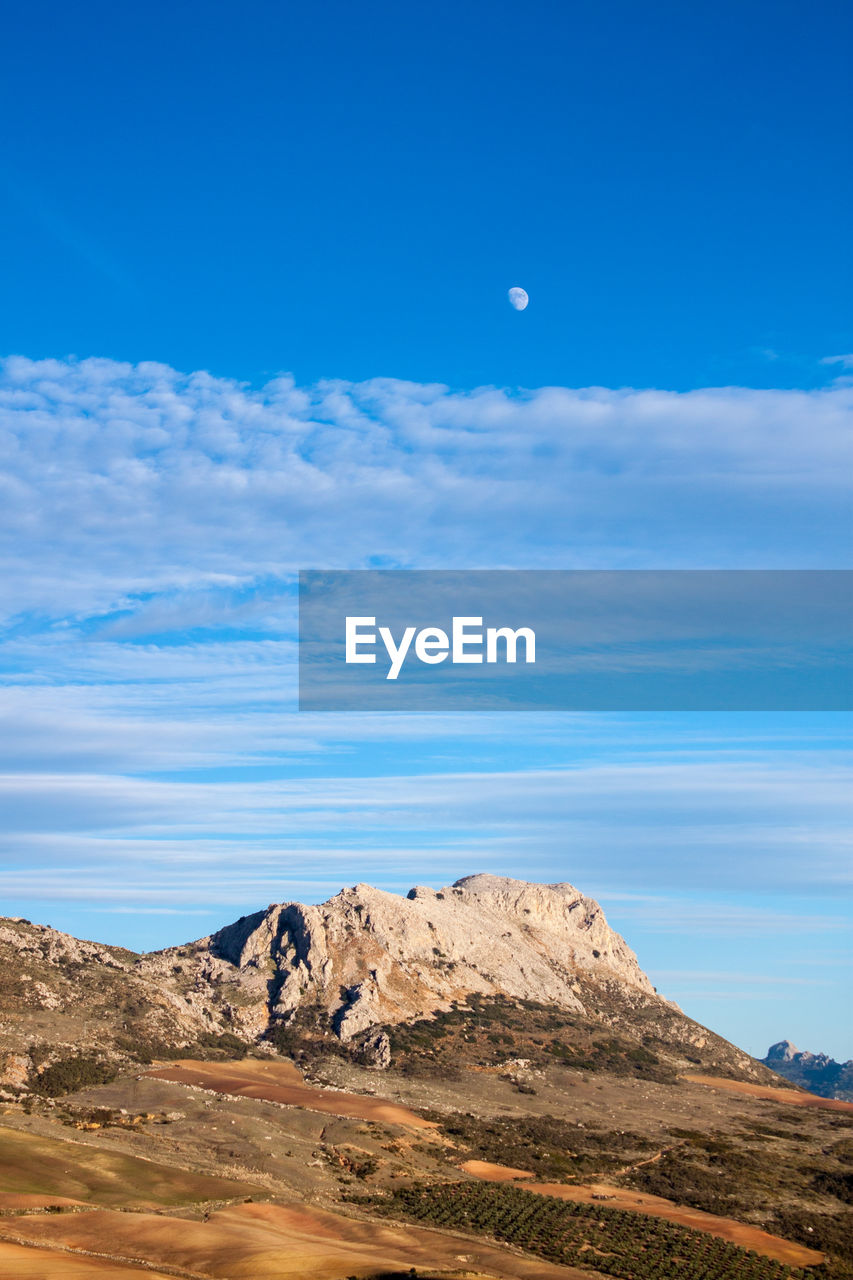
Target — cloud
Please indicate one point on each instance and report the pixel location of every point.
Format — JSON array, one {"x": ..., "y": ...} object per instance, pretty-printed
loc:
[
  {"x": 151, "y": 523},
  {"x": 693, "y": 976},
  {"x": 623, "y": 826},
  {"x": 846, "y": 361},
  {"x": 121, "y": 482},
  {"x": 721, "y": 917}
]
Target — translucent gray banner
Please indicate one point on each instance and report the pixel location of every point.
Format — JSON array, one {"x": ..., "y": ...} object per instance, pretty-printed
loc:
[{"x": 619, "y": 640}]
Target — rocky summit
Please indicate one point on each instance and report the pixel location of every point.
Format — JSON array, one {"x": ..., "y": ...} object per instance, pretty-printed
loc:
[
  {"x": 309, "y": 1076},
  {"x": 347, "y": 971},
  {"x": 369, "y": 957}
]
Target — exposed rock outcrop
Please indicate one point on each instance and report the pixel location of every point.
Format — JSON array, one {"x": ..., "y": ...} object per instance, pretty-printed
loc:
[
  {"x": 352, "y": 967},
  {"x": 367, "y": 957}
]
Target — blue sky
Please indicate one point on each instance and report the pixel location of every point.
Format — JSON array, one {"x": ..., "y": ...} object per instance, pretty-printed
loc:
[
  {"x": 348, "y": 190},
  {"x": 254, "y": 317}
]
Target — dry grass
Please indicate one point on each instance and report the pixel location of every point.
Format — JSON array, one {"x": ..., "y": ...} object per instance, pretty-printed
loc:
[
  {"x": 288, "y": 1242},
  {"x": 20, "y": 1262},
  {"x": 278, "y": 1081},
  {"x": 54, "y": 1170}
]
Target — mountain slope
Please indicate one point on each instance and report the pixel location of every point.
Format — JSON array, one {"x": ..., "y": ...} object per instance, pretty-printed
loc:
[{"x": 346, "y": 973}]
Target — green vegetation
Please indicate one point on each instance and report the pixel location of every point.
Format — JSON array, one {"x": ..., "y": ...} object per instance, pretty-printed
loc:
[
  {"x": 610, "y": 1241},
  {"x": 839, "y": 1185},
  {"x": 144, "y": 1047},
  {"x": 554, "y": 1150},
  {"x": 832, "y": 1233},
  {"x": 488, "y": 1030},
  {"x": 361, "y": 1166},
  {"x": 766, "y": 1183},
  {"x": 308, "y": 1036},
  {"x": 713, "y": 1175},
  {"x": 615, "y": 1057},
  {"x": 79, "y": 1071},
  {"x": 68, "y": 1073}
]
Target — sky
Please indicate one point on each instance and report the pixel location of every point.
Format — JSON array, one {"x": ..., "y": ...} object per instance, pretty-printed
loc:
[{"x": 254, "y": 319}]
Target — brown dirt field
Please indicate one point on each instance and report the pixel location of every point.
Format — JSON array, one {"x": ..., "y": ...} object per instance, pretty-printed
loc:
[
  {"x": 21, "y": 1262},
  {"x": 656, "y": 1206},
  {"x": 770, "y": 1093},
  {"x": 10, "y": 1200},
  {"x": 282, "y": 1082},
  {"x": 494, "y": 1172},
  {"x": 53, "y": 1169},
  {"x": 288, "y": 1242}
]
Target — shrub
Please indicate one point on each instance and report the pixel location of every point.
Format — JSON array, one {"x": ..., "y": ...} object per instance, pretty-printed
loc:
[{"x": 69, "y": 1074}]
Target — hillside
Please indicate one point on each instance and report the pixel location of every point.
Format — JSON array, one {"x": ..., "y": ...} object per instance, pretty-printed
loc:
[
  {"x": 347, "y": 972},
  {"x": 346, "y": 1089}
]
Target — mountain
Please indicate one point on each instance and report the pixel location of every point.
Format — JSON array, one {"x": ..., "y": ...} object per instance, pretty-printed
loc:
[
  {"x": 368, "y": 957},
  {"x": 813, "y": 1071},
  {"x": 477, "y": 1080},
  {"x": 353, "y": 972}
]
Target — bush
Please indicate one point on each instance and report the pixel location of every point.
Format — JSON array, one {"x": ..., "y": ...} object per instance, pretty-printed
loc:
[
  {"x": 69, "y": 1074},
  {"x": 556, "y": 1150}
]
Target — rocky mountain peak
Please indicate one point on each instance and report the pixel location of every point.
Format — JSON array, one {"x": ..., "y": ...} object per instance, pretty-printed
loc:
[
  {"x": 817, "y": 1072},
  {"x": 782, "y": 1051},
  {"x": 369, "y": 957},
  {"x": 355, "y": 967}
]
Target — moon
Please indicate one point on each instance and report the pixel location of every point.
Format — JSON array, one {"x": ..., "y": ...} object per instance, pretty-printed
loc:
[{"x": 518, "y": 297}]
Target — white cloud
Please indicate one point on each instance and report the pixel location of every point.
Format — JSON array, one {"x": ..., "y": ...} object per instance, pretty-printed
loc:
[
  {"x": 137, "y": 503},
  {"x": 119, "y": 480},
  {"x": 720, "y": 918},
  {"x": 688, "y": 977},
  {"x": 629, "y": 825}
]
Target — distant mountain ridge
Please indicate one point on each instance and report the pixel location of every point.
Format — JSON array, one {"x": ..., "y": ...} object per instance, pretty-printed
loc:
[
  {"x": 816, "y": 1072},
  {"x": 344, "y": 973}
]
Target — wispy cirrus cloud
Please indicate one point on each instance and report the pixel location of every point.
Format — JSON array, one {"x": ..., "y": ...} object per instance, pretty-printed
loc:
[{"x": 625, "y": 825}]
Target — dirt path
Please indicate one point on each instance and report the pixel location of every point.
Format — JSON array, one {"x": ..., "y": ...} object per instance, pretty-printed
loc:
[
  {"x": 494, "y": 1172},
  {"x": 739, "y": 1233},
  {"x": 770, "y": 1093},
  {"x": 641, "y": 1164},
  {"x": 281, "y": 1082}
]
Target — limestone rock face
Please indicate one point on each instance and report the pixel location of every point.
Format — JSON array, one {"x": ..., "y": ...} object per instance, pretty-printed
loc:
[
  {"x": 15, "y": 1069},
  {"x": 354, "y": 966},
  {"x": 369, "y": 958}
]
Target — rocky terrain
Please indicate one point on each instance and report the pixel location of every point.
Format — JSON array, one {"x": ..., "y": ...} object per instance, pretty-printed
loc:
[
  {"x": 813, "y": 1071},
  {"x": 347, "y": 1089},
  {"x": 348, "y": 971}
]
